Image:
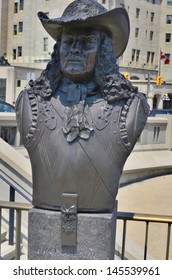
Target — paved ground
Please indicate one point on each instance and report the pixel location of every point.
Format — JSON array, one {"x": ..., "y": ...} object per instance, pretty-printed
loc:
[{"x": 153, "y": 196}]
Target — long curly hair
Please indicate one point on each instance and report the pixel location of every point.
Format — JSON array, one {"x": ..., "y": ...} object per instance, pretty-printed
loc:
[{"x": 113, "y": 85}]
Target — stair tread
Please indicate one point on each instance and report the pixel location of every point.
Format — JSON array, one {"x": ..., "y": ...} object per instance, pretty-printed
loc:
[
  {"x": 8, "y": 251},
  {"x": 3, "y": 236}
]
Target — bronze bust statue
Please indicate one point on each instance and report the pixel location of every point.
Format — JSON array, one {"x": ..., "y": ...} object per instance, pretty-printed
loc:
[{"x": 81, "y": 118}]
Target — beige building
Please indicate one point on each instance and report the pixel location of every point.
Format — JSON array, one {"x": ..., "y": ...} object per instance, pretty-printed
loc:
[
  {"x": 3, "y": 26},
  {"x": 28, "y": 47},
  {"x": 165, "y": 43}
]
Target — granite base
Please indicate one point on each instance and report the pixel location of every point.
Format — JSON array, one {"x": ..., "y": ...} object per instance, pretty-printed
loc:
[{"x": 95, "y": 236}]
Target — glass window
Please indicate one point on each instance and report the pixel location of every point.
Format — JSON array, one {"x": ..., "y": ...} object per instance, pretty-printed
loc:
[
  {"x": 168, "y": 37},
  {"x": 137, "y": 12},
  {"x": 15, "y": 29},
  {"x": 137, "y": 55},
  {"x": 169, "y": 19},
  {"x": 133, "y": 54},
  {"x": 152, "y": 17},
  {"x": 148, "y": 56},
  {"x": 152, "y": 57},
  {"x": 19, "y": 51},
  {"x": 2, "y": 89},
  {"x": 18, "y": 83},
  {"x": 21, "y": 5},
  {"x": 169, "y": 2},
  {"x": 15, "y": 8},
  {"x": 136, "y": 32},
  {"x": 45, "y": 46},
  {"x": 20, "y": 26},
  {"x": 151, "y": 35},
  {"x": 14, "y": 54},
  {"x": 167, "y": 61}
]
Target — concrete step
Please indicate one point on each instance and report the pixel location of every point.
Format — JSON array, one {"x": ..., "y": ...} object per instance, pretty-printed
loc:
[
  {"x": 3, "y": 236},
  {"x": 8, "y": 251}
]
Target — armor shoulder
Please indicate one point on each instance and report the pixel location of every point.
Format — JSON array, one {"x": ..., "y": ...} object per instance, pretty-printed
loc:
[
  {"x": 137, "y": 116},
  {"x": 23, "y": 114}
]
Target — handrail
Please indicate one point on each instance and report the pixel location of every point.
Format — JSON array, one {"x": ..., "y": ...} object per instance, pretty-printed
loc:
[
  {"x": 15, "y": 205},
  {"x": 125, "y": 216},
  {"x": 144, "y": 217},
  {"x": 18, "y": 207},
  {"x": 147, "y": 218}
]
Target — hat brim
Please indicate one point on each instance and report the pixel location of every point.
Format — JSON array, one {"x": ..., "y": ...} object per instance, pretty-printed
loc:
[{"x": 116, "y": 21}]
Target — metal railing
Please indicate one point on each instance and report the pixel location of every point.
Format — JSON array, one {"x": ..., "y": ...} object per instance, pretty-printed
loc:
[
  {"x": 124, "y": 216},
  {"x": 147, "y": 219},
  {"x": 18, "y": 207}
]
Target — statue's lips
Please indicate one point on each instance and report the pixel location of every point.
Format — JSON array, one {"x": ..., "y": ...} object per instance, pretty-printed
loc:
[{"x": 75, "y": 61}]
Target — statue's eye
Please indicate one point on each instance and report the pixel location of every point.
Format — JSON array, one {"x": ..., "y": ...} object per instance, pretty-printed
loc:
[
  {"x": 67, "y": 40},
  {"x": 88, "y": 41}
]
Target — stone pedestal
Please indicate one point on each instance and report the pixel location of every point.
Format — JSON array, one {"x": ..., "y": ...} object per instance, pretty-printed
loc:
[{"x": 95, "y": 236}]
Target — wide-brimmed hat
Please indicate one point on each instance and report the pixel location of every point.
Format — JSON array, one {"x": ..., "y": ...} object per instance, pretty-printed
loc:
[{"x": 89, "y": 13}]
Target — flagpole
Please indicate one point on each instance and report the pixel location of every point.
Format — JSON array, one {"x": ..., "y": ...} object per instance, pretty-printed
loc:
[{"x": 159, "y": 71}]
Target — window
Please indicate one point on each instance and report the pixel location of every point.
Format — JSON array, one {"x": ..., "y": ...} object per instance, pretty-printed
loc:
[
  {"x": 2, "y": 89},
  {"x": 18, "y": 83},
  {"x": 15, "y": 8},
  {"x": 20, "y": 26},
  {"x": 137, "y": 55},
  {"x": 15, "y": 29},
  {"x": 133, "y": 54},
  {"x": 147, "y": 13},
  {"x": 152, "y": 17},
  {"x": 150, "y": 57},
  {"x": 14, "y": 54},
  {"x": 136, "y": 32},
  {"x": 45, "y": 46},
  {"x": 103, "y": 1},
  {"x": 20, "y": 51},
  {"x": 169, "y": 2},
  {"x": 151, "y": 35},
  {"x": 168, "y": 60},
  {"x": 168, "y": 37},
  {"x": 21, "y": 5},
  {"x": 137, "y": 12},
  {"x": 169, "y": 19}
]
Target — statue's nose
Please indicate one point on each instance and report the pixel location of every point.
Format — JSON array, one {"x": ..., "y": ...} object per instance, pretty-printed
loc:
[{"x": 76, "y": 47}]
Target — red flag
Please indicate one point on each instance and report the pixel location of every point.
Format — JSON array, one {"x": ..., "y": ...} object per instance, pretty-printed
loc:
[{"x": 164, "y": 58}]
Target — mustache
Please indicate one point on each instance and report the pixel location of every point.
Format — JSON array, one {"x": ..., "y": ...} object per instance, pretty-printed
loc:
[{"x": 76, "y": 59}]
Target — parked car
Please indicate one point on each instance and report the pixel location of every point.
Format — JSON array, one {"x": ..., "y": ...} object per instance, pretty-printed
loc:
[
  {"x": 155, "y": 112},
  {"x": 6, "y": 107}
]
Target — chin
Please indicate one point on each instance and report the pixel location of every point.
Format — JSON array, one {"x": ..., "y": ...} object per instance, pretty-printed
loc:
[{"x": 78, "y": 76}]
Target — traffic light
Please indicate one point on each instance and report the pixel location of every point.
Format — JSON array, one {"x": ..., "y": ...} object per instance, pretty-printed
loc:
[
  {"x": 159, "y": 80},
  {"x": 126, "y": 75}
]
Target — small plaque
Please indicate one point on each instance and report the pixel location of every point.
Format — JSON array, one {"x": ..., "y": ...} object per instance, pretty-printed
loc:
[{"x": 69, "y": 219}]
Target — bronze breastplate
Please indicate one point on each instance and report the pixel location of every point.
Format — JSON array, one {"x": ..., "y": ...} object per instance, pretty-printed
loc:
[{"x": 91, "y": 168}]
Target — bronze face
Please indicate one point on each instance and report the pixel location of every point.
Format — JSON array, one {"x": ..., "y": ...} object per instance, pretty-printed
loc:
[{"x": 78, "y": 52}]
